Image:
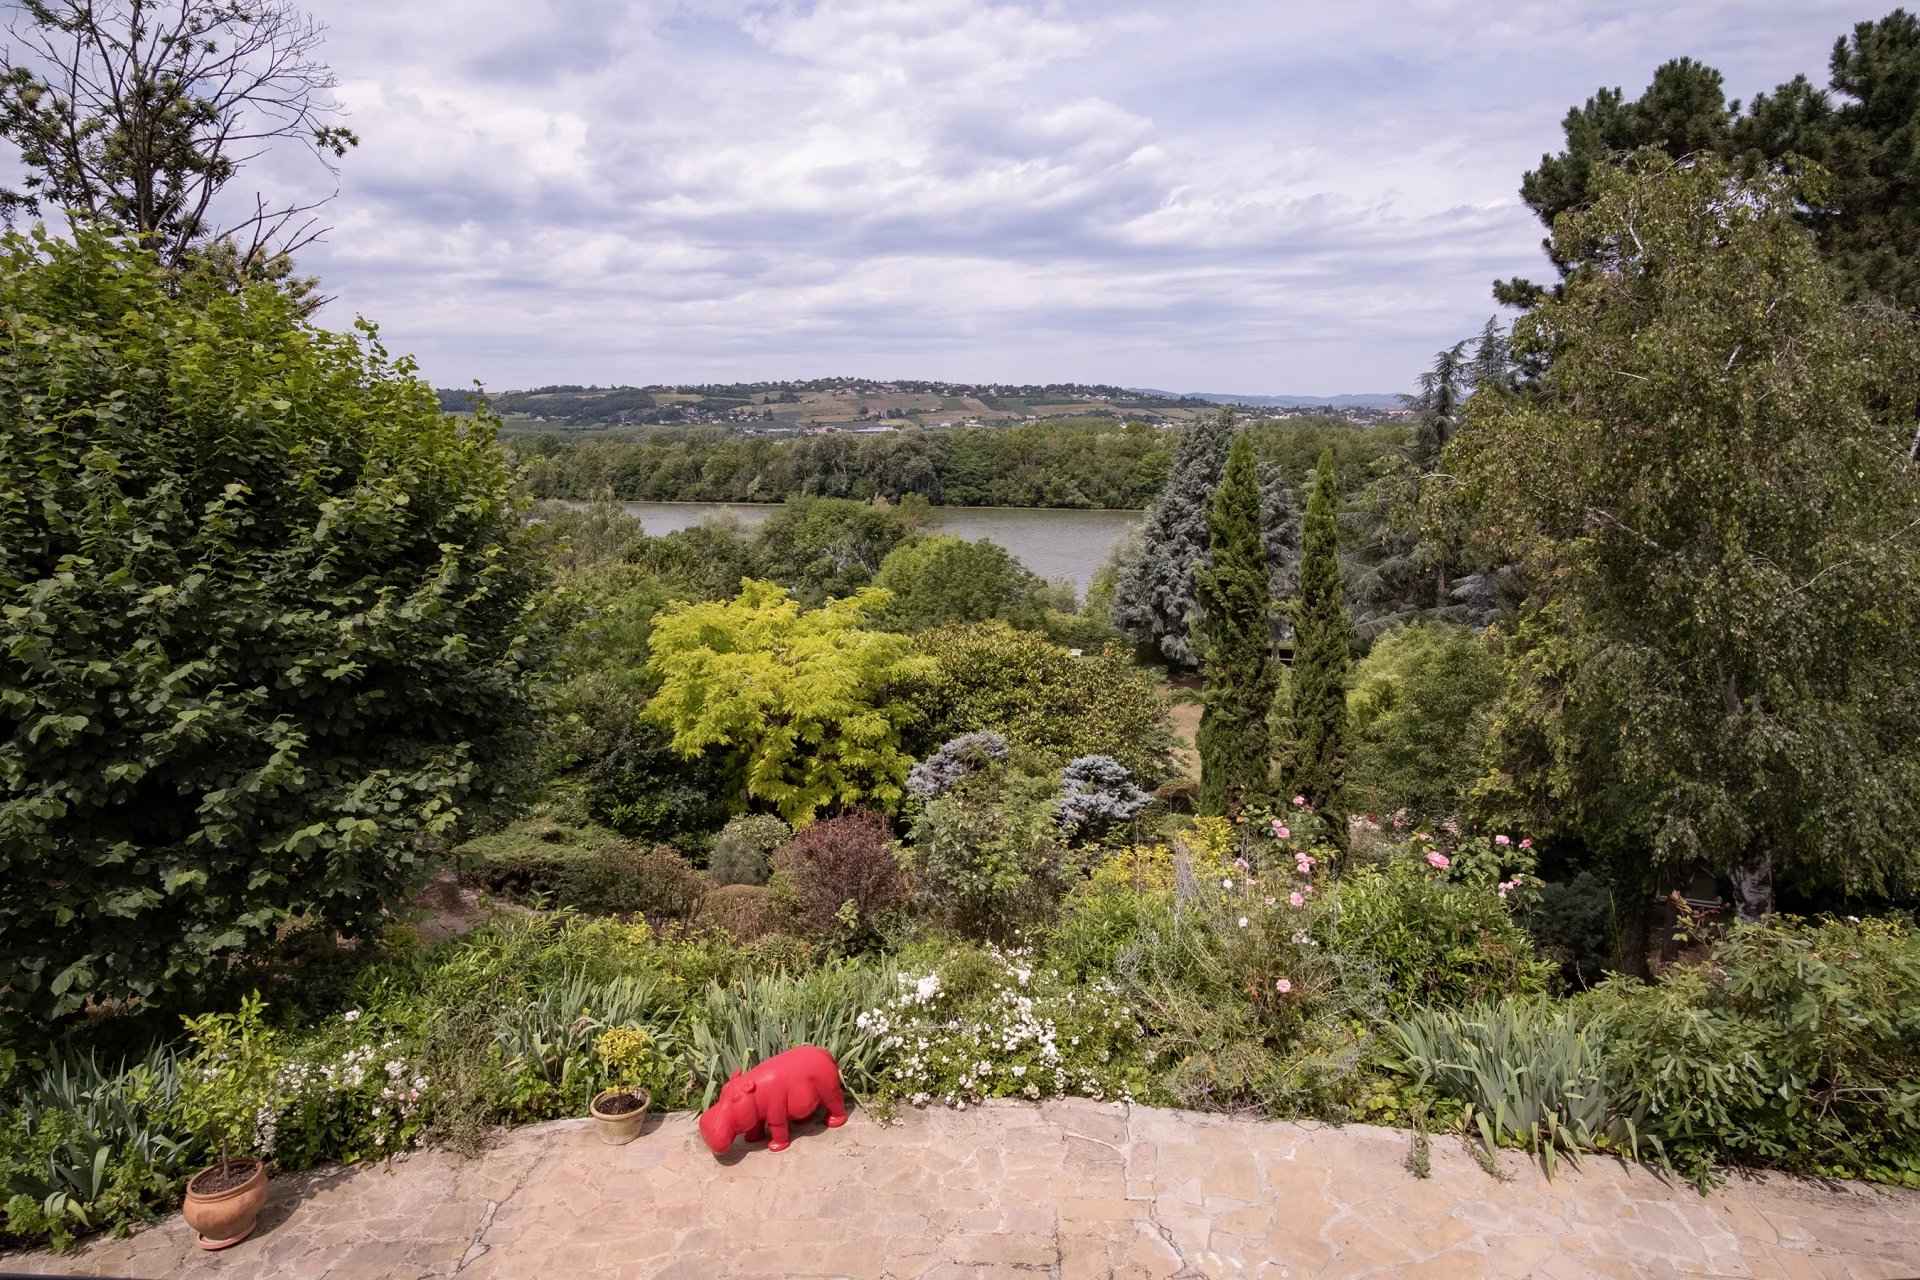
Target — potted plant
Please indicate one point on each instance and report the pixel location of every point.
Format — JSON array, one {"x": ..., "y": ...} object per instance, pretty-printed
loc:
[
  {"x": 634, "y": 1060},
  {"x": 228, "y": 1081}
]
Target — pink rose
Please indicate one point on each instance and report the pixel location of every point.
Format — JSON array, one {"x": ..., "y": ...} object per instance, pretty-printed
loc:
[
  {"x": 1527, "y": 843},
  {"x": 1300, "y": 802},
  {"x": 1438, "y": 861},
  {"x": 1296, "y": 899},
  {"x": 1502, "y": 840},
  {"x": 1281, "y": 831},
  {"x": 1282, "y": 985}
]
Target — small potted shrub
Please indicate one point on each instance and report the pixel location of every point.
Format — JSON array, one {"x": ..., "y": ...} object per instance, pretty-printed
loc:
[
  {"x": 229, "y": 1081},
  {"x": 634, "y": 1061}
]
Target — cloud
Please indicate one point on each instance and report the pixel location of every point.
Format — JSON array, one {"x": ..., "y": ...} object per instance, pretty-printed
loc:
[{"x": 1230, "y": 194}]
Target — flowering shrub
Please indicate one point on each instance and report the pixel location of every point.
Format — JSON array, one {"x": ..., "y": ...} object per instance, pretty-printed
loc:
[
  {"x": 1011, "y": 1030},
  {"x": 348, "y": 1097},
  {"x": 1421, "y": 935}
]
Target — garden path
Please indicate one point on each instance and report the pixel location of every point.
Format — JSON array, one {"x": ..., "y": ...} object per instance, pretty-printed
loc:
[{"x": 1068, "y": 1190}]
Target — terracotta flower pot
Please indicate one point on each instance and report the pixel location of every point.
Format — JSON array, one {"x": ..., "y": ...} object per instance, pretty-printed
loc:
[
  {"x": 615, "y": 1127},
  {"x": 224, "y": 1213}
]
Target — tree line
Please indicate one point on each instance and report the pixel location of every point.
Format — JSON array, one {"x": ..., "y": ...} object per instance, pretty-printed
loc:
[{"x": 1091, "y": 464}]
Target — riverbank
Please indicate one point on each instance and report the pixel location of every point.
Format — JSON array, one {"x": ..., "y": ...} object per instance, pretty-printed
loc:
[{"x": 1061, "y": 544}]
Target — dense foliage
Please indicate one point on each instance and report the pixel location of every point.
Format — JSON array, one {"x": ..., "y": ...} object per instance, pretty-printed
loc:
[
  {"x": 1041, "y": 696},
  {"x": 1861, "y": 130},
  {"x": 1233, "y": 635},
  {"x": 1713, "y": 477},
  {"x": 266, "y": 624},
  {"x": 938, "y": 581},
  {"x": 1322, "y": 654},
  {"x": 1417, "y": 711},
  {"x": 805, "y": 704},
  {"x": 1055, "y": 464}
]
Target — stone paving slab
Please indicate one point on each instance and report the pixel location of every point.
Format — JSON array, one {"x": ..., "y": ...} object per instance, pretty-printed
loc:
[{"x": 1068, "y": 1190}]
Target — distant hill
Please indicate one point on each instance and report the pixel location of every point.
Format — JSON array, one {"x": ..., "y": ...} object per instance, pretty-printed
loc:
[{"x": 1369, "y": 400}]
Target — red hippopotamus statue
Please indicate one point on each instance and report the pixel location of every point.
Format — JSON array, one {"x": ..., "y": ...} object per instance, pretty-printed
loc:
[{"x": 768, "y": 1099}]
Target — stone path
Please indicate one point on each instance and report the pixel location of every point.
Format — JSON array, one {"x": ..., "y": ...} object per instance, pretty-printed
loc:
[{"x": 1070, "y": 1190}]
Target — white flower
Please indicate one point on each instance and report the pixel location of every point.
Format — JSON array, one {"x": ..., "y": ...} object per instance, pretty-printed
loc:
[
  {"x": 351, "y": 1015},
  {"x": 1243, "y": 922},
  {"x": 1226, "y": 882}
]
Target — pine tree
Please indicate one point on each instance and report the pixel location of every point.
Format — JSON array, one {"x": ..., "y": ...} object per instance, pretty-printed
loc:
[
  {"x": 1234, "y": 638},
  {"x": 1153, "y": 601},
  {"x": 1322, "y": 650}
]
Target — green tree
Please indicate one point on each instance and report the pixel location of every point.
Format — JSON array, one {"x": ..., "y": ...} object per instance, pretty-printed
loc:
[
  {"x": 1713, "y": 486},
  {"x": 1864, "y": 130},
  {"x": 134, "y": 117},
  {"x": 1234, "y": 637},
  {"x": 827, "y": 547},
  {"x": 1042, "y": 696},
  {"x": 941, "y": 580},
  {"x": 265, "y": 619},
  {"x": 1322, "y": 652},
  {"x": 809, "y": 704},
  {"x": 1417, "y": 716}
]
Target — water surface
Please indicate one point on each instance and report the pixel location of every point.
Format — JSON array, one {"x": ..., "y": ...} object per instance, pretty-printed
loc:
[{"x": 1057, "y": 544}]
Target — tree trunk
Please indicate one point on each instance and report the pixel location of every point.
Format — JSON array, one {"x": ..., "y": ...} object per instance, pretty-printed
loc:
[
  {"x": 1633, "y": 933},
  {"x": 1753, "y": 887},
  {"x": 1633, "y": 911}
]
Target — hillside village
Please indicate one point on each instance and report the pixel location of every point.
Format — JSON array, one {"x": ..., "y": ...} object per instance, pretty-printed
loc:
[{"x": 825, "y": 406}]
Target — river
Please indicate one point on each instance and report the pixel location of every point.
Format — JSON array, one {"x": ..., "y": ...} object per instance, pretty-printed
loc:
[{"x": 1056, "y": 543}]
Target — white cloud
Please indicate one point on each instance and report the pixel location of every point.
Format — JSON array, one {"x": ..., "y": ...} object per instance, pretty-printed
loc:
[{"x": 1235, "y": 194}]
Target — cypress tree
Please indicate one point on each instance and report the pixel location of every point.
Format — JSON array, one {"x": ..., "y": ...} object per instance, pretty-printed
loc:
[
  {"x": 1153, "y": 601},
  {"x": 1234, "y": 638},
  {"x": 1323, "y": 648}
]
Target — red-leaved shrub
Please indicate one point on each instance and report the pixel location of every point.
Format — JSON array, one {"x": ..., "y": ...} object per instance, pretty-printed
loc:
[{"x": 845, "y": 860}]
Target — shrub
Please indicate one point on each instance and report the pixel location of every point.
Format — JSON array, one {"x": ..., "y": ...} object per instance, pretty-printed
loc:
[
  {"x": 1572, "y": 924},
  {"x": 989, "y": 676},
  {"x": 840, "y": 878},
  {"x": 658, "y": 883},
  {"x": 643, "y": 788},
  {"x": 1426, "y": 940},
  {"x": 265, "y": 632},
  {"x": 987, "y": 856},
  {"x": 826, "y": 548},
  {"x": 1798, "y": 1047},
  {"x": 1418, "y": 707},
  {"x": 637, "y": 1058},
  {"x": 533, "y": 856},
  {"x": 743, "y": 851},
  {"x": 810, "y": 705},
  {"x": 942, "y": 580},
  {"x": 744, "y": 911},
  {"x": 1003, "y": 1029},
  {"x": 967, "y": 754},
  {"x": 777, "y": 953},
  {"x": 587, "y": 868},
  {"x": 1097, "y": 794}
]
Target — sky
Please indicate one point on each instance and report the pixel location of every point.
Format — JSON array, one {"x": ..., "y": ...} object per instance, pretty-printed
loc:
[{"x": 1254, "y": 196}]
